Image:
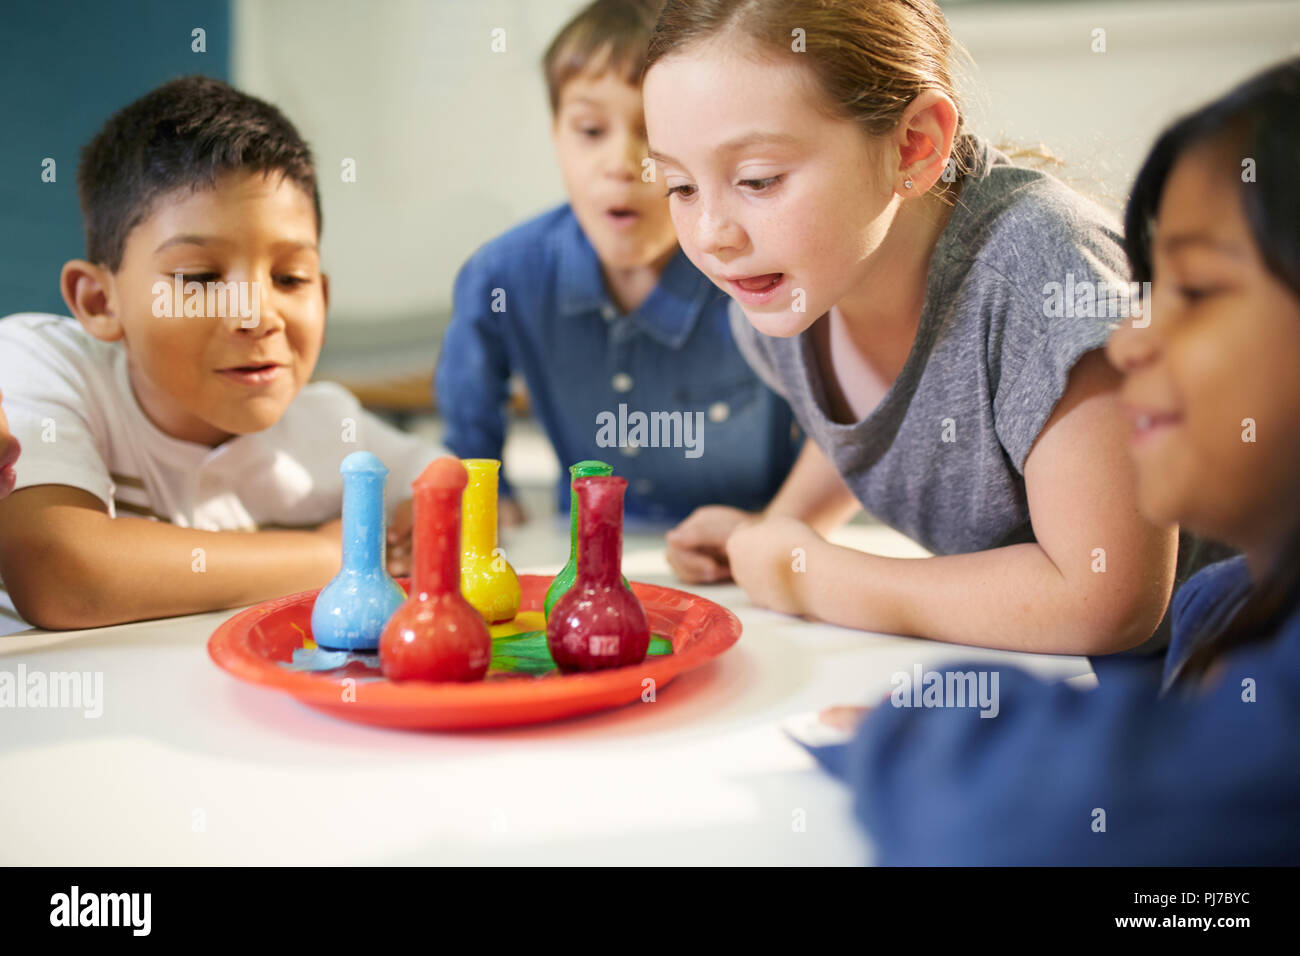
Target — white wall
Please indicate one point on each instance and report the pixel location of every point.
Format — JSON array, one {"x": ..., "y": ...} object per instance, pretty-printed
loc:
[
  {"x": 452, "y": 140},
  {"x": 1036, "y": 78}
]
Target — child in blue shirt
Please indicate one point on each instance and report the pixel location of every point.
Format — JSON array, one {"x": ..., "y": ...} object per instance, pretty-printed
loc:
[
  {"x": 608, "y": 322},
  {"x": 1200, "y": 764}
]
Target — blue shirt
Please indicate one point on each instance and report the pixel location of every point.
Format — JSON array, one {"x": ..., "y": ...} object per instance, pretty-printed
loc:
[
  {"x": 533, "y": 302},
  {"x": 1210, "y": 777}
]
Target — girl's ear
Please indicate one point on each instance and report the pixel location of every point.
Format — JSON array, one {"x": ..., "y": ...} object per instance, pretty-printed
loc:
[
  {"x": 88, "y": 290},
  {"x": 924, "y": 138}
]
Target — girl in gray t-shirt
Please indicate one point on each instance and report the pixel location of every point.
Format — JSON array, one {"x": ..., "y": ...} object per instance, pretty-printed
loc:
[{"x": 934, "y": 315}]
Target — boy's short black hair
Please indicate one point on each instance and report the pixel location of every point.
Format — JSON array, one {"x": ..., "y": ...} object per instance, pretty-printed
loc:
[
  {"x": 184, "y": 133},
  {"x": 605, "y": 34}
]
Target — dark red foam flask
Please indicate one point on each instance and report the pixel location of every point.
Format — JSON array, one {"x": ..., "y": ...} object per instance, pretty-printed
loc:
[
  {"x": 435, "y": 634},
  {"x": 598, "y": 623}
]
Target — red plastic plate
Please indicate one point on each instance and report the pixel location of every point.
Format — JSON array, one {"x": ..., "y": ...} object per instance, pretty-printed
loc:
[{"x": 255, "y": 643}]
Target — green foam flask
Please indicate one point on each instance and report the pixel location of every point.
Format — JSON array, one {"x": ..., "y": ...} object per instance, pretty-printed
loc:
[{"x": 569, "y": 573}]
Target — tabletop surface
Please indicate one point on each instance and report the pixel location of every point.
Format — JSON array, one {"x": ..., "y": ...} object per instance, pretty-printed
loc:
[{"x": 187, "y": 765}]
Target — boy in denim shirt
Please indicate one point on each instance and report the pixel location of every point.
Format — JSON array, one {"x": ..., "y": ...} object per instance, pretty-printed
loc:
[{"x": 625, "y": 347}]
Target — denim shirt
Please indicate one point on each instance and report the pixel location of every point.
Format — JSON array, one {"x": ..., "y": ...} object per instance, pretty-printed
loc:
[{"x": 533, "y": 302}]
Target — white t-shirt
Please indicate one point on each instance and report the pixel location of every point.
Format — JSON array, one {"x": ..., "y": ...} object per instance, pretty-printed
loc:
[{"x": 70, "y": 404}]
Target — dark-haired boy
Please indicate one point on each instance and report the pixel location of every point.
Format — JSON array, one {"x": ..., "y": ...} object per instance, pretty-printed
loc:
[
  {"x": 622, "y": 342},
  {"x": 192, "y": 409}
]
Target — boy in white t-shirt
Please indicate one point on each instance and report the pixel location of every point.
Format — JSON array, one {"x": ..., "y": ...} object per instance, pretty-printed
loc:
[{"x": 180, "y": 392}]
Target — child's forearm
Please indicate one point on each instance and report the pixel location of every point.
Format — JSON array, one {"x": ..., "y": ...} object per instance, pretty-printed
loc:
[
  {"x": 90, "y": 570},
  {"x": 814, "y": 492},
  {"x": 1013, "y": 598}
]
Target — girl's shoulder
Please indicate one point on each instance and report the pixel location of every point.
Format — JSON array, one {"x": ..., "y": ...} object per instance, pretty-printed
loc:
[
  {"x": 1028, "y": 226},
  {"x": 1027, "y": 278}
]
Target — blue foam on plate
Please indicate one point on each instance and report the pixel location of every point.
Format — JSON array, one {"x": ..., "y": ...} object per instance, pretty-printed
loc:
[{"x": 323, "y": 659}]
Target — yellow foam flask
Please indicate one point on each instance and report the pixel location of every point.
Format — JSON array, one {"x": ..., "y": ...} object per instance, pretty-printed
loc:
[{"x": 487, "y": 580}]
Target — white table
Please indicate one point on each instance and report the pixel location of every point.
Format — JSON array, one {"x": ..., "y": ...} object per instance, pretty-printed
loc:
[{"x": 187, "y": 765}]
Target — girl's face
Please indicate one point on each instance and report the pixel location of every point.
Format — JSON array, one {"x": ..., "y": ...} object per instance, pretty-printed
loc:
[
  {"x": 1213, "y": 384},
  {"x": 777, "y": 202}
]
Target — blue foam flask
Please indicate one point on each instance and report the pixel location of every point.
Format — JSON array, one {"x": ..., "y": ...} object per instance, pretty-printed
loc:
[{"x": 350, "y": 612}]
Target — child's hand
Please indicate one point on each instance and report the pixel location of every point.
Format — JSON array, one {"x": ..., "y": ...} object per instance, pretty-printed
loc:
[
  {"x": 9, "y": 449},
  {"x": 697, "y": 548},
  {"x": 399, "y": 536},
  {"x": 769, "y": 559},
  {"x": 833, "y": 726},
  {"x": 845, "y": 719},
  {"x": 399, "y": 540},
  {"x": 510, "y": 513}
]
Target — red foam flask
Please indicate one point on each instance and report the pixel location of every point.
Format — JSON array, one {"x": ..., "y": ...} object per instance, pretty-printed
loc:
[
  {"x": 598, "y": 623},
  {"x": 435, "y": 635}
]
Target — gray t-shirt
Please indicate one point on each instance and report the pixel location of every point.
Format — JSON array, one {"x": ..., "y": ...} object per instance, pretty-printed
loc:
[{"x": 941, "y": 458}]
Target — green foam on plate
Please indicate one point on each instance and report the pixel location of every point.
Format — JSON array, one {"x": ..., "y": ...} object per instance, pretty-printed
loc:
[{"x": 528, "y": 653}]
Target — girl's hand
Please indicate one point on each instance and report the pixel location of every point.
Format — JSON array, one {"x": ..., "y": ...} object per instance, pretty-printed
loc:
[
  {"x": 697, "y": 548},
  {"x": 770, "y": 558},
  {"x": 399, "y": 540}
]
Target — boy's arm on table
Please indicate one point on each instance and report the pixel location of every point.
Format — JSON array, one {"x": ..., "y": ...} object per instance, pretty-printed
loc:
[
  {"x": 472, "y": 381},
  {"x": 1048, "y": 596},
  {"x": 813, "y": 493},
  {"x": 1208, "y": 779},
  {"x": 67, "y": 564}
]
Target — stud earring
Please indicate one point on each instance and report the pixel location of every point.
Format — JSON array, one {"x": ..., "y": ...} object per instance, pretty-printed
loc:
[{"x": 907, "y": 184}]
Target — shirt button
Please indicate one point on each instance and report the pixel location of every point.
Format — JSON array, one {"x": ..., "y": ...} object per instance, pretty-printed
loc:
[
  {"x": 608, "y": 311},
  {"x": 719, "y": 412},
  {"x": 622, "y": 382},
  {"x": 643, "y": 486},
  {"x": 630, "y": 450}
]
